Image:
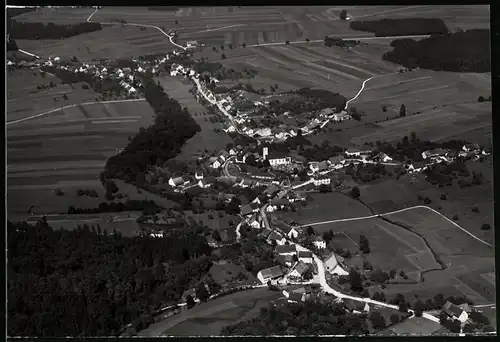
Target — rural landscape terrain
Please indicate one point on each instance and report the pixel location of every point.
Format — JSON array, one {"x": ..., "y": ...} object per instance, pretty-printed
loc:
[{"x": 249, "y": 170}]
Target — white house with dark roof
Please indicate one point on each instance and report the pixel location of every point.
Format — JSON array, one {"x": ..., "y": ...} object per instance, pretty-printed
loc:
[
  {"x": 279, "y": 239},
  {"x": 322, "y": 181},
  {"x": 318, "y": 166},
  {"x": 299, "y": 270},
  {"x": 278, "y": 158},
  {"x": 306, "y": 256},
  {"x": 270, "y": 273},
  {"x": 286, "y": 250},
  {"x": 319, "y": 243}
]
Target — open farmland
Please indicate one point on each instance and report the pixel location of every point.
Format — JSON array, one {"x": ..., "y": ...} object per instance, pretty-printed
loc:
[
  {"x": 178, "y": 89},
  {"x": 112, "y": 42},
  {"x": 67, "y": 149},
  {"x": 24, "y": 99},
  {"x": 209, "y": 318},
  {"x": 328, "y": 206},
  {"x": 413, "y": 256},
  {"x": 454, "y": 16}
]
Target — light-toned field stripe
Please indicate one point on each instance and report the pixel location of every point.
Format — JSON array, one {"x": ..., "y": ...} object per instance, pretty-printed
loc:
[
  {"x": 69, "y": 106},
  {"x": 111, "y": 121},
  {"x": 215, "y": 29},
  {"x": 28, "y": 53},
  {"x": 388, "y": 11}
]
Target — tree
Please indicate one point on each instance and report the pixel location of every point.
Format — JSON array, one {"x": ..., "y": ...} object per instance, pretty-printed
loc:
[
  {"x": 419, "y": 308},
  {"x": 355, "y": 280},
  {"x": 308, "y": 40},
  {"x": 65, "y": 96},
  {"x": 243, "y": 44},
  {"x": 392, "y": 273},
  {"x": 364, "y": 245},
  {"x": 403, "y": 306},
  {"x": 394, "y": 318},
  {"x": 222, "y": 47},
  {"x": 402, "y": 110},
  {"x": 378, "y": 321},
  {"x": 308, "y": 275},
  {"x": 287, "y": 42},
  {"x": 216, "y": 236},
  {"x": 310, "y": 231},
  {"x": 355, "y": 193},
  {"x": 343, "y": 15},
  {"x": 223, "y": 56},
  {"x": 485, "y": 226},
  {"x": 190, "y": 302},
  {"x": 202, "y": 293},
  {"x": 443, "y": 197},
  {"x": 480, "y": 99},
  {"x": 111, "y": 186},
  {"x": 177, "y": 22},
  {"x": 413, "y": 137},
  {"x": 384, "y": 108}
]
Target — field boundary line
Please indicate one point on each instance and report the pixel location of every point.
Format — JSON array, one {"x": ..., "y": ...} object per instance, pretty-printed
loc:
[
  {"x": 397, "y": 212},
  {"x": 69, "y": 106}
]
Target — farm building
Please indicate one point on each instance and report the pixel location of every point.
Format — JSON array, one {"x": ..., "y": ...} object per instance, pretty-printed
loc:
[
  {"x": 206, "y": 182},
  {"x": 319, "y": 242},
  {"x": 246, "y": 210},
  {"x": 174, "y": 182},
  {"x": 356, "y": 306},
  {"x": 382, "y": 157},
  {"x": 296, "y": 297},
  {"x": 277, "y": 203},
  {"x": 306, "y": 256},
  {"x": 271, "y": 190},
  {"x": 455, "y": 312},
  {"x": 270, "y": 273},
  {"x": 331, "y": 263},
  {"x": 280, "y": 240},
  {"x": 279, "y": 158},
  {"x": 337, "y": 160},
  {"x": 356, "y": 152},
  {"x": 223, "y": 154},
  {"x": 318, "y": 166},
  {"x": 285, "y": 260},
  {"x": 289, "y": 231},
  {"x": 300, "y": 270},
  {"x": 322, "y": 181},
  {"x": 434, "y": 153},
  {"x": 217, "y": 163},
  {"x": 286, "y": 250},
  {"x": 255, "y": 221},
  {"x": 471, "y": 147}
]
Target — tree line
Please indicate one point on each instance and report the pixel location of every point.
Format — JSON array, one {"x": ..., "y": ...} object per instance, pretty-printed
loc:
[
  {"x": 156, "y": 144},
  {"x": 113, "y": 207},
  {"x": 37, "y": 30},
  {"x": 401, "y": 27},
  {"x": 87, "y": 282},
  {"x": 467, "y": 51}
]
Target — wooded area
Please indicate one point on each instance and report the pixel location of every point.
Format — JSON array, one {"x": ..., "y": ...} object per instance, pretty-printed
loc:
[
  {"x": 467, "y": 51},
  {"x": 89, "y": 283},
  {"x": 401, "y": 27}
]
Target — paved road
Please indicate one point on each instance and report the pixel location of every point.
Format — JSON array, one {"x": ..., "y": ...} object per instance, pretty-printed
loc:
[
  {"x": 396, "y": 212},
  {"x": 69, "y": 106}
]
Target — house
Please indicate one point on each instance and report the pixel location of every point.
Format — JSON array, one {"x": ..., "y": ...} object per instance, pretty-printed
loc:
[
  {"x": 223, "y": 155},
  {"x": 280, "y": 240},
  {"x": 285, "y": 260},
  {"x": 455, "y": 312},
  {"x": 279, "y": 158},
  {"x": 286, "y": 250},
  {"x": 322, "y": 181},
  {"x": 299, "y": 270},
  {"x": 233, "y": 151},
  {"x": 382, "y": 158},
  {"x": 433, "y": 153},
  {"x": 319, "y": 242},
  {"x": 246, "y": 210},
  {"x": 271, "y": 190},
  {"x": 295, "y": 297},
  {"x": 206, "y": 182},
  {"x": 174, "y": 182},
  {"x": 270, "y": 273},
  {"x": 290, "y": 231},
  {"x": 243, "y": 159},
  {"x": 277, "y": 203},
  {"x": 245, "y": 183},
  {"x": 471, "y": 147},
  {"x": 356, "y": 306},
  {"x": 190, "y": 292},
  {"x": 338, "y": 160},
  {"x": 318, "y": 166},
  {"x": 217, "y": 163},
  {"x": 306, "y": 256},
  {"x": 254, "y": 221},
  {"x": 356, "y": 152}
]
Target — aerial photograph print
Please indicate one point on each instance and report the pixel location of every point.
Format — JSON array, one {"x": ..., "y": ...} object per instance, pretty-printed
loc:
[{"x": 249, "y": 171}]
